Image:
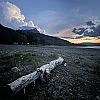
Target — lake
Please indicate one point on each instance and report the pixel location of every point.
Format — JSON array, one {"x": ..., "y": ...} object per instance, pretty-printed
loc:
[{"x": 92, "y": 47}]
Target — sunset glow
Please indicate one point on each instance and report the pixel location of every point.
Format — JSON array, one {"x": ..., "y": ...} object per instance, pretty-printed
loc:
[{"x": 85, "y": 40}]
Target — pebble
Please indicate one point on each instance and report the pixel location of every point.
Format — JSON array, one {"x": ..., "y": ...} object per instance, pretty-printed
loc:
[
  {"x": 97, "y": 97},
  {"x": 65, "y": 64},
  {"x": 15, "y": 69}
]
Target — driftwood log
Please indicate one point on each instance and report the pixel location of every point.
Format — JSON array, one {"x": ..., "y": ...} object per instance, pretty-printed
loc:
[{"x": 23, "y": 81}]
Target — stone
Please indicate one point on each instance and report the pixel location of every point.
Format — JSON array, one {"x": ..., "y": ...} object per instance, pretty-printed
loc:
[
  {"x": 65, "y": 64},
  {"x": 97, "y": 97},
  {"x": 15, "y": 69}
]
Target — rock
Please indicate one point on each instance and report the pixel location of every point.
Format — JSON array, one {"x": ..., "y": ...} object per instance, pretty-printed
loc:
[
  {"x": 65, "y": 64},
  {"x": 97, "y": 97},
  {"x": 77, "y": 62},
  {"x": 15, "y": 69}
]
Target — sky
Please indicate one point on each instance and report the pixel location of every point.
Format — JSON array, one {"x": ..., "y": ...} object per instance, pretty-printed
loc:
[{"x": 51, "y": 17}]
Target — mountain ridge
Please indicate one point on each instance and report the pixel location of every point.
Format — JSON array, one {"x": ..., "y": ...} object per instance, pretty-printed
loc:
[{"x": 10, "y": 36}]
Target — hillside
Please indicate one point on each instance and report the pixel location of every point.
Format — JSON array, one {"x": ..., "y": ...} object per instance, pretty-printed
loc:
[
  {"x": 89, "y": 44},
  {"x": 32, "y": 36}
]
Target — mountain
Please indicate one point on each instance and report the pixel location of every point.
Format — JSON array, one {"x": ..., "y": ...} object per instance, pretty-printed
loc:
[
  {"x": 29, "y": 29},
  {"x": 90, "y": 28},
  {"x": 26, "y": 28},
  {"x": 89, "y": 44},
  {"x": 28, "y": 36},
  {"x": 8, "y": 35}
]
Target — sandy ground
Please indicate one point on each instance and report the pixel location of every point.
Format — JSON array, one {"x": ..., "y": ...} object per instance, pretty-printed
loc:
[{"x": 78, "y": 80}]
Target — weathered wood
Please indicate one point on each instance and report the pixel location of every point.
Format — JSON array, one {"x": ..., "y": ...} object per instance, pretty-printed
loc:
[
  {"x": 51, "y": 65},
  {"x": 23, "y": 81}
]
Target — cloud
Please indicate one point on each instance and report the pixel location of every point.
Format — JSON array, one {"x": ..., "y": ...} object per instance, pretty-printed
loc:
[
  {"x": 12, "y": 16},
  {"x": 91, "y": 36},
  {"x": 65, "y": 33},
  {"x": 30, "y": 24},
  {"x": 68, "y": 34},
  {"x": 12, "y": 12},
  {"x": 89, "y": 28}
]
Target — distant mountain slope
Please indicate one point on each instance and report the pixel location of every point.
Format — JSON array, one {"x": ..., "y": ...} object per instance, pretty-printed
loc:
[
  {"x": 90, "y": 44},
  {"x": 32, "y": 36},
  {"x": 29, "y": 29}
]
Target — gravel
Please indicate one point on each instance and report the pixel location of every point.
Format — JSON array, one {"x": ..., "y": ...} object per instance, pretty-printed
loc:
[{"x": 78, "y": 78}]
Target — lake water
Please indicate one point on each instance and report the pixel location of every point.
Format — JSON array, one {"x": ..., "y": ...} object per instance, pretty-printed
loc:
[{"x": 92, "y": 47}]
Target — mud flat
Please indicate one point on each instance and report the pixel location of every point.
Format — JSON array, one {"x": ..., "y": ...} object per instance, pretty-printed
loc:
[{"x": 77, "y": 79}]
